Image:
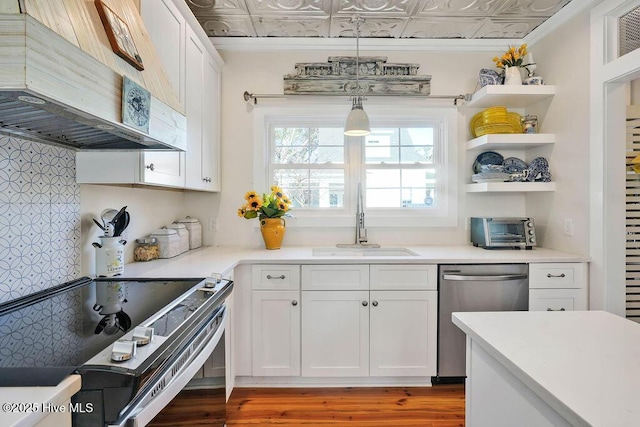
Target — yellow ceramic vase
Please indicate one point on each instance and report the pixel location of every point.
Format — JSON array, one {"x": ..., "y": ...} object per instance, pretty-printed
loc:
[{"x": 272, "y": 232}]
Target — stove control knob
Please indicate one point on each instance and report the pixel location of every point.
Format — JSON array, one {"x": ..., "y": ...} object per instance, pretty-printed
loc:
[
  {"x": 123, "y": 350},
  {"x": 142, "y": 335},
  {"x": 531, "y": 232}
]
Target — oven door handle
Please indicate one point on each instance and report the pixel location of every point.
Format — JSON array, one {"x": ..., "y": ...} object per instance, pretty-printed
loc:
[{"x": 150, "y": 404}]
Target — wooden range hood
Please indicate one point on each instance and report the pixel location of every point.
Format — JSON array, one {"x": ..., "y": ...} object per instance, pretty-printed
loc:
[{"x": 58, "y": 51}]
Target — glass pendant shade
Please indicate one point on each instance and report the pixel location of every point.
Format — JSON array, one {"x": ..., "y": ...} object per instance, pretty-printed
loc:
[{"x": 357, "y": 123}]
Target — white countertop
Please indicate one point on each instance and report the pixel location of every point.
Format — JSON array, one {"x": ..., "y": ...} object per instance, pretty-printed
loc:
[
  {"x": 27, "y": 406},
  {"x": 584, "y": 364},
  {"x": 222, "y": 259}
]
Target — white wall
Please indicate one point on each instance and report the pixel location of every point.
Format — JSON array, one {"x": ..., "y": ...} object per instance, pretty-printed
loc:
[
  {"x": 452, "y": 73},
  {"x": 149, "y": 209},
  {"x": 563, "y": 60},
  {"x": 262, "y": 72}
]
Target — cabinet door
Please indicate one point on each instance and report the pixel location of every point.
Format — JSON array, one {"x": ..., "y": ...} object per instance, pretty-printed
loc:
[
  {"x": 276, "y": 333},
  {"x": 403, "y": 333},
  {"x": 557, "y": 299},
  {"x": 335, "y": 333},
  {"x": 166, "y": 28},
  {"x": 164, "y": 168},
  {"x": 210, "y": 158},
  {"x": 195, "y": 67}
]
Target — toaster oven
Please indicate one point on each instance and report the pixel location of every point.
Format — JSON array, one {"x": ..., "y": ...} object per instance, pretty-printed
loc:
[{"x": 509, "y": 233}]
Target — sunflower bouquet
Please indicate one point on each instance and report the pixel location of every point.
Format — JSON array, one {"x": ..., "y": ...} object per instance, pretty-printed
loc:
[
  {"x": 273, "y": 205},
  {"x": 514, "y": 57}
]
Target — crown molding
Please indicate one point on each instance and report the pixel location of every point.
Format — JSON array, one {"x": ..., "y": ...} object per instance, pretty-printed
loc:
[{"x": 257, "y": 44}]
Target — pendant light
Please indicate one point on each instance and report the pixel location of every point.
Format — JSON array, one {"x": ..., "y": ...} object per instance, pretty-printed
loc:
[{"x": 357, "y": 123}]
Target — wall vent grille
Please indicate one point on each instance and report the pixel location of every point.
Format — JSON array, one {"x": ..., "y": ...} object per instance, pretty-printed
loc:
[{"x": 629, "y": 31}]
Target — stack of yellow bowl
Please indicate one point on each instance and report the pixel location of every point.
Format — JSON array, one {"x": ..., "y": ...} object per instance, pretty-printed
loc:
[{"x": 495, "y": 120}]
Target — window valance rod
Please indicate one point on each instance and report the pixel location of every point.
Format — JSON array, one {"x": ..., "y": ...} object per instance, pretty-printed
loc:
[{"x": 254, "y": 96}]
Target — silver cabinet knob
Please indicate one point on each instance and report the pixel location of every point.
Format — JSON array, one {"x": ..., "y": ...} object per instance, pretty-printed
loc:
[
  {"x": 151, "y": 167},
  {"x": 206, "y": 179},
  {"x": 294, "y": 303},
  {"x": 365, "y": 303},
  {"x": 374, "y": 303}
]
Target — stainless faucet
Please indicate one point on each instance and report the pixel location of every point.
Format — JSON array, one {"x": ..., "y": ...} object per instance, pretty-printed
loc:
[{"x": 361, "y": 231}]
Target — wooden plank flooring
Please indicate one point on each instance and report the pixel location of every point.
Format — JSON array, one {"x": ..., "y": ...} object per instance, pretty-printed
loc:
[{"x": 437, "y": 406}]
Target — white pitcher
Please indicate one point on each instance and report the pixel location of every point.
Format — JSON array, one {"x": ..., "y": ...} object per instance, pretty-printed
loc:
[{"x": 512, "y": 75}]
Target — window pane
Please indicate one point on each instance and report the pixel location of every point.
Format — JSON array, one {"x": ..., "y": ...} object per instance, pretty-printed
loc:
[
  {"x": 312, "y": 188},
  {"x": 381, "y": 146},
  {"x": 416, "y": 154},
  {"x": 289, "y": 154},
  {"x": 327, "y": 155},
  {"x": 418, "y": 187},
  {"x": 383, "y": 178},
  {"x": 383, "y": 198},
  {"x": 290, "y": 136}
]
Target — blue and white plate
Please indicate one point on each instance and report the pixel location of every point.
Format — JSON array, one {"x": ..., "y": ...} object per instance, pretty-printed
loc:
[
  {"x": 514, "y": 165},
  {"x": 487, "y": 158}
]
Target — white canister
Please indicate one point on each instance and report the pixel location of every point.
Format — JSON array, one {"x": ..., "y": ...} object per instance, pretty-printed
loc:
[
  {"x": 168, "y": 242},
  {"x": 183, "y": 233},
  {"x": 110, "y": 256},
  {"x": 195, "y": 231}
]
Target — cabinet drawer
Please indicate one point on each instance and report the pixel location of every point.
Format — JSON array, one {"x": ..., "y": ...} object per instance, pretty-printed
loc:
[
  {"x": 335, "y": 277},
  {"x": 557, "y": 299},
  {"x": 557, "y": 275},
  {"x": 404, "y": 277},
  {"x": 275, "y": 277}
]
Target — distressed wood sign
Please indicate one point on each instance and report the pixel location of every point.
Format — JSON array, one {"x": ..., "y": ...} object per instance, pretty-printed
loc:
[{"x": 338, "y": 77}]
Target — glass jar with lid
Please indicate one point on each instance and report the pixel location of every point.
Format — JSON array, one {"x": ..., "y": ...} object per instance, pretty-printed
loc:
[{"x": 147, "y": 249}]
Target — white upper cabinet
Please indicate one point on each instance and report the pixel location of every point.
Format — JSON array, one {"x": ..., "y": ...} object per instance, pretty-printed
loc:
[
  {"x": 203, "y": 116},
  {"x": 193, "y": 66}
]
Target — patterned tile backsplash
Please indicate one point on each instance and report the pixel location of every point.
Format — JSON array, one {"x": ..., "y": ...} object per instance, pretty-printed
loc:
[{"x": 39, "y": 217}]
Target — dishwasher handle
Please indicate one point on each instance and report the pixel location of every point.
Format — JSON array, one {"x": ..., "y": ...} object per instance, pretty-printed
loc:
[{"x": 483, "y": 277}]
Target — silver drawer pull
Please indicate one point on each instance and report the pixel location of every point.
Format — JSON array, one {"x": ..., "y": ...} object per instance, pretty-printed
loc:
[
  {"x": 151, "y": 167},
  {"x": 551, "y": 309},
  {"x": 277, "y": 277},
  {"x": 365, "y": 303},
  {"x": 294, "y": 303},
  {"x": 549, "y": 275}
]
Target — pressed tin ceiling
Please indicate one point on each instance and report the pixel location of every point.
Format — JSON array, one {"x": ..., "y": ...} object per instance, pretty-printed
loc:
[{"x": 391, "y": 19}]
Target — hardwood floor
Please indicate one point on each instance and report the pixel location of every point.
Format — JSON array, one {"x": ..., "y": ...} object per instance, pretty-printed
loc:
[{"x": 437, "y": 406}]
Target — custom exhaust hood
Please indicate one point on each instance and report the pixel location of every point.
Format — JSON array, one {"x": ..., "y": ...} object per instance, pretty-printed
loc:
[{"x": 53, "y": 92}]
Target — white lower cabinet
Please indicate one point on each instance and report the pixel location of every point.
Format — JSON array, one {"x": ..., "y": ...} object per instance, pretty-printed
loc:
[
  {"x": 403, "y": 333},
  {"x": 335, "y": 333},
  {"x": 388, "y": 331},
  {"x": 276, "y": 333},
  {"x": 558, "y": 286}
]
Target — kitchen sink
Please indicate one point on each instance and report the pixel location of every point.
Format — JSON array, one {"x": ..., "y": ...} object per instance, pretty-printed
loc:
[{"x": 362, "y": 251}]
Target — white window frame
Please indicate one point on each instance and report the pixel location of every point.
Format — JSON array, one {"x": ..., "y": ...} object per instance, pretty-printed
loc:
[{"x": 380, "y": 115}]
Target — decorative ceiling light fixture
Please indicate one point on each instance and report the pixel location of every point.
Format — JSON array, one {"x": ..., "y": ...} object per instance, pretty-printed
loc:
[{"x": 357, "y": 123}]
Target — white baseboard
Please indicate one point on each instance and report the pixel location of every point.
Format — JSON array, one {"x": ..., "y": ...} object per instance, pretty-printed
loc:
[{"x": 294, "y": 382}]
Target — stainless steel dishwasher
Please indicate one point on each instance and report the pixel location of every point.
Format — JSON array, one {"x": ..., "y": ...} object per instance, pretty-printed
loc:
[{"x": 474, "y": 287}]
